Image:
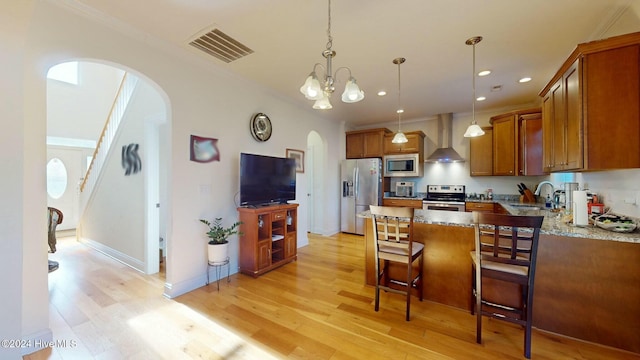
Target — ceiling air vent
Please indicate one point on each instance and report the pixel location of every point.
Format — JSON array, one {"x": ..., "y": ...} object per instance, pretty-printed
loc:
[{"x": 220, "y": 45}]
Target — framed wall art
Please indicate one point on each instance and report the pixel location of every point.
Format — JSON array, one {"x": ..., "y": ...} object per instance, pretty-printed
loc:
[
  {"x": 204, "y": 149},
  {"x": 299, "y": 156}
]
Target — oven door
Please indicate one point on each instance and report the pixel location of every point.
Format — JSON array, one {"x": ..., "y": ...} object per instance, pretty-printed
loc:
[{"x": 442, "y": 205}]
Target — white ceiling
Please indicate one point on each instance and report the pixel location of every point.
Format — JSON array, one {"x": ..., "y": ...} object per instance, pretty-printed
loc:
[{"x": 521, "y": 38}]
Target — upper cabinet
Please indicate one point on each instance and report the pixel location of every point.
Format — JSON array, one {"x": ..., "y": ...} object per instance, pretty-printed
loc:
[
  {"x": 504, "y": 144},
  {"x": 562, "y": 123},
  {"x": 530, "y": 144},
  {"x": 415, "y": 145},
  {"x": 516, "y": 143},
  {"x": 365, "y": 143},
  {"x": 481, "y": 153},
  {"x": 591, "y": 108}
]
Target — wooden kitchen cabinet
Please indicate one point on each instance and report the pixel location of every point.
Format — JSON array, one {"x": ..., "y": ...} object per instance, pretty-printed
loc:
[
  {"x": 492, "y": 207},
  {"x": 530, "y": 146},
  {"x": 488, "y": 207},
  {"x": 481, "y": 153},
  {"x": 413, "y": 146},
  {"x": 414, "y": 203},
  {"x": 516, "y": 143},
  {"x": 504, "y": 144},
  {"x": 268, "y": 238},
  {"x": 591, "y": 112},
  {"x": 550, "y": 103},
  {"x": 562, "y": 123},
  {"x": 365, "y": 143}
]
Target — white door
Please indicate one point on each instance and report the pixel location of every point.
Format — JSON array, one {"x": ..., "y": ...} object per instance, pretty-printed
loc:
[{"x": 64, "y": 163}]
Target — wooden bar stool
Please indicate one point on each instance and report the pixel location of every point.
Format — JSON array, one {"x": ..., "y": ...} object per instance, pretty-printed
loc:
[
  {"x": 393, "y": 236},
  {"x": 506, "y": 247}
]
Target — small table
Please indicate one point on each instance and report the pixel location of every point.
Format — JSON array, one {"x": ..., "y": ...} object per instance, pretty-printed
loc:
[{"x": 218, "y": 268}]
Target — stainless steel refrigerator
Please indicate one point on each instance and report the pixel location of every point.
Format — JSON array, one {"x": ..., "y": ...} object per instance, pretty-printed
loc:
[{"x": 361, "y": 181}]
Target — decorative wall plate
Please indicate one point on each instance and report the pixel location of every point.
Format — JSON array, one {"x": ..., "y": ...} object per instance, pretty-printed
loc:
[{"x": 260, "y": 127}]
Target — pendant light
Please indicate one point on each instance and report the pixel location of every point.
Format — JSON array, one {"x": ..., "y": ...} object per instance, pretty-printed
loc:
[
  {"x": 314, "y": 89},
  {"x": 399, "y": 137},
  {"x": 474, "y": 130}
]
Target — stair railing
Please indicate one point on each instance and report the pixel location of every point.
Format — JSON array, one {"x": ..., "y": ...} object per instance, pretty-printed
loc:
[{"x": 118, "y": 108}]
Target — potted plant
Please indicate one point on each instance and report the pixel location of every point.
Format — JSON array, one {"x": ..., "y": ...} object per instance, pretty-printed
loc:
[{"x": 218, "y": 245}]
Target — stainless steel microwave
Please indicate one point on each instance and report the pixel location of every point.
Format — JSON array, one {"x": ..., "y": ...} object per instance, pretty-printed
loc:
[{"x": 404, "y": 165}]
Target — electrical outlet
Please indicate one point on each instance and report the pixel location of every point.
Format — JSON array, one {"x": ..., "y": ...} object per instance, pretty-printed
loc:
[{"x": 630, "y": 200}]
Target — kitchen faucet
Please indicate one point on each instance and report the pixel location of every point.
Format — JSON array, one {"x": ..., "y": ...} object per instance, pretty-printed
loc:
[{"x": 539, "y": 187}]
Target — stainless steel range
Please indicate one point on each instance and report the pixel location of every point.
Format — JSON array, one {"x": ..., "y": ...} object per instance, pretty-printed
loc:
[{"x": 444, "y": 197}]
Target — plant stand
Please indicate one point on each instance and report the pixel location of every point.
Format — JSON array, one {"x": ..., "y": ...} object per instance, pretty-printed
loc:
[{"x": 218, "y": 266}]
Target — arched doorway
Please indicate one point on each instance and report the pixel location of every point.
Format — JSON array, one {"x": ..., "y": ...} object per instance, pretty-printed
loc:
[{"x": 76, "y": 116}]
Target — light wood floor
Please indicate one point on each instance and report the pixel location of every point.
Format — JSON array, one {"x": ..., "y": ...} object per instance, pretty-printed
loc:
[{"x": 315, "y": 308}]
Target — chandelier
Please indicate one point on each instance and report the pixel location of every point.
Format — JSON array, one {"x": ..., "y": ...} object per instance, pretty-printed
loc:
[
  {"x": 474, "y": 130},
  {"x": 321, "y": 91}
]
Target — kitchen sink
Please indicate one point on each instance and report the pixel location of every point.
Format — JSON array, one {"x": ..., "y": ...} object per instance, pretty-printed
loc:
[{"x": 522, "y": 206}]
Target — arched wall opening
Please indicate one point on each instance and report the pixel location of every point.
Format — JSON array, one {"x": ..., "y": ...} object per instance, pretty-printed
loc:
[{"x": 127, "y": 224}]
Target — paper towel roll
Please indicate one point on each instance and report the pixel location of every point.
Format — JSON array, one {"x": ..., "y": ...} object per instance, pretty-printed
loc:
[{"x": 580, "y": 213}]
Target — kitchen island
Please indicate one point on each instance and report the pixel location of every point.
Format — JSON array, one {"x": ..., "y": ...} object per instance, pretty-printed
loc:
[{"x": 587, "y": 279}]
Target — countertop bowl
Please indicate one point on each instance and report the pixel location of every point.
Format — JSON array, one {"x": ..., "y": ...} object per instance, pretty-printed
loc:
[{"x": 613, "y": 222}]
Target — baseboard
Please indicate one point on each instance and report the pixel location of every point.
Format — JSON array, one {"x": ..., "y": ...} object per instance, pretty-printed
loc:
[
  {"x": 65, "y": 233},
  {"x": 38, "y": 341},
  {"x": 176, "y": 289},
  {"x": 115, "y": 254}
]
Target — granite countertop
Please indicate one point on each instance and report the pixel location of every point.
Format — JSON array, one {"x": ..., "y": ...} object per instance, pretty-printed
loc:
[
  {"x": 552, "y": 224},
  {"x": 403, "y": 197}
]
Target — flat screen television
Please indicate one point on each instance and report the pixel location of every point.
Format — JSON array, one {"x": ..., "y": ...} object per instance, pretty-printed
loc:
[{"x": 266, "y": 179}]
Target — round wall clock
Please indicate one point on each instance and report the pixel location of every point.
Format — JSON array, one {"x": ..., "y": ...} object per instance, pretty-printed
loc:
[{"x": 260, "y": 127}]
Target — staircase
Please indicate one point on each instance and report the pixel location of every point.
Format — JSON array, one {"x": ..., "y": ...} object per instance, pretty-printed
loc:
[{"x": 108, "y": 134}]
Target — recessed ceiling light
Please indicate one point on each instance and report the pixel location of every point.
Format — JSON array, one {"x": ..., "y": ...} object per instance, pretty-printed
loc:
[
  {"x": 481, "y": 98},
  {"x": 524, "y": 80},
  {"x": 382, "y": 93},
  {"x": 484, "y": 73}
]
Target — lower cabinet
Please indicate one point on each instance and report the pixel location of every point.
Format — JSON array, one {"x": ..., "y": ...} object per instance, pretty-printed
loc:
[
  {"x": 491, "y": 207},
  {"x": 479, "y": 206},
  {"x": 268, "y": 237},
  {"x": 414, "y": 203}
]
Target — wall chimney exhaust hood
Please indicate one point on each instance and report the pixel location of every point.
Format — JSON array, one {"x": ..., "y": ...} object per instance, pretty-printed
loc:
[{"x": 445, "y": 153}]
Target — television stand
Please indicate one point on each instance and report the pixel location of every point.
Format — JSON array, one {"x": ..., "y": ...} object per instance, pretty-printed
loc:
[{"x": 269, "y": 237}]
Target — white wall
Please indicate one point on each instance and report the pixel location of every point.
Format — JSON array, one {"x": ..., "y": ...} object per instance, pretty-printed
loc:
[
  {"x": 13, "y": 32},
  {"x": 115, "y": 218},
  {"x": 619, "y": 190},
  {"x": 80, "y": 111},
  {"x": 202, "y": 100}
]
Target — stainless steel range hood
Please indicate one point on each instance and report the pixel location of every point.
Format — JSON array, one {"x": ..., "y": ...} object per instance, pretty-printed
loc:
[{"x": 445, "y": 153}]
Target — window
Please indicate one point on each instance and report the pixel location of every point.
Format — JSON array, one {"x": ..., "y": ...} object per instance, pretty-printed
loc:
[
  {"x": 56, "y": 178},
  {"x": 65, "y": 72}
]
